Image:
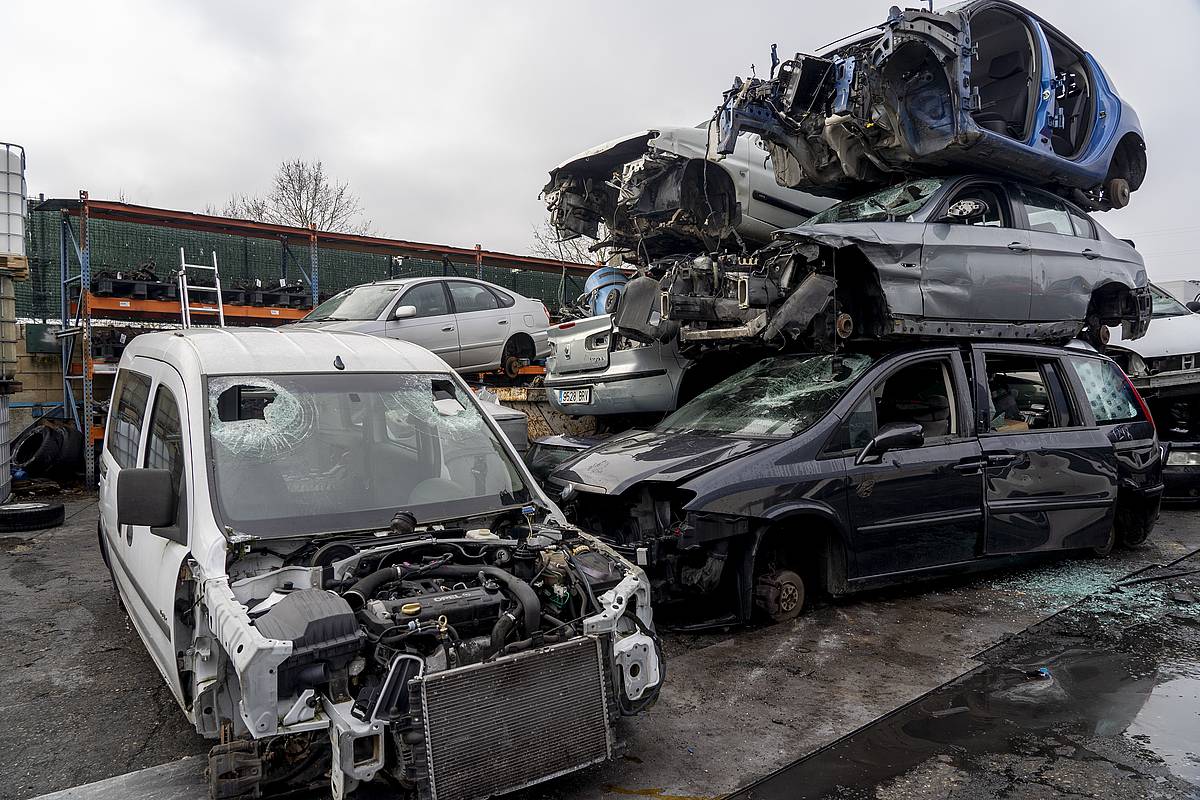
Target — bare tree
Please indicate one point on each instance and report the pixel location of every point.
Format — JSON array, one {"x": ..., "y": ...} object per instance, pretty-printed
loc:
[
  {"x": 546, "y": 245},
  {"x": 301, "y": 195}
]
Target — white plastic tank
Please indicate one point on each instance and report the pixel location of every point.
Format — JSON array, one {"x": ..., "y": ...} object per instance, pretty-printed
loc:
[{"x": 12, "y": 200}]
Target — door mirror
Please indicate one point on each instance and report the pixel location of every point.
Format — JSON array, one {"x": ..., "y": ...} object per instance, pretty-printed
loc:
[
  {"x": 146, "y": 497},
  {"x": 1193, "y": 306},
  {"x": 961, "y": 210},
  {"x": 896, "y": 436},
  {"x": 404, "y": 312}
]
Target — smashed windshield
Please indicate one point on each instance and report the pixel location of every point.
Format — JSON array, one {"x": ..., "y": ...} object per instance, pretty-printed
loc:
[
  {"x": 1164, "y": 305},
  {"x": 776, "y": 398},
  {"x": 361, "y": 302},
  {"x": 893, "y": 204},
  {"x": 305, "y": 454}
]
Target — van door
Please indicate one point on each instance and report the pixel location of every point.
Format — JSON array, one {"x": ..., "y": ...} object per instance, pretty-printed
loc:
[
  {"x": 921, "y": 507},
  {"x": 1051, "y": 473},
  {"x": 151, "y": 560},
  {"x": 433, "y": 327}
]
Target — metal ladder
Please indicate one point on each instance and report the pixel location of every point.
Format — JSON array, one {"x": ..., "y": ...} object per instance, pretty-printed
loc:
[{"x": 185, "y": 302}]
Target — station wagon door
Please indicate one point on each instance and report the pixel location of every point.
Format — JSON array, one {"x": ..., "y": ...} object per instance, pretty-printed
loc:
[{"x": 1051, "y": 477}]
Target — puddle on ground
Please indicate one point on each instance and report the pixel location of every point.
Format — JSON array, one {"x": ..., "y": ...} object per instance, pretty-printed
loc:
[{"x": 1102, "y": 700}]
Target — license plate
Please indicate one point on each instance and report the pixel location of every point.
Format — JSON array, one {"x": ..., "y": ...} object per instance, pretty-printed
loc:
[{"x": 575, "y": 396}]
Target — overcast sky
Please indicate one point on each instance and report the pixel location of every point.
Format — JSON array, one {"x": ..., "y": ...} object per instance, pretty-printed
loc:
[{"x": 445, "y": 117}]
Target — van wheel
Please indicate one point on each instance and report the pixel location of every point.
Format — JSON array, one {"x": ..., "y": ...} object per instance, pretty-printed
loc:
[
  {"x": 30, "y": 516},
  {"x": 1134, "y": 525},
  {"x": 780, "y": 595},
  {"x": 1104, "y": 550}
]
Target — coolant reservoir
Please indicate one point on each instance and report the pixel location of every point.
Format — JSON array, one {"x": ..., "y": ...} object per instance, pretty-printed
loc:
[
  {"x": 481, "y": 533},
  {"x": 12, "y": 200}
]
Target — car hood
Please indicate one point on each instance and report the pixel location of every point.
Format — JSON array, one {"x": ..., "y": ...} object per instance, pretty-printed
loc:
[
  {"x": 1167, "y": 336},
  {"x": 640, "y": 456}
]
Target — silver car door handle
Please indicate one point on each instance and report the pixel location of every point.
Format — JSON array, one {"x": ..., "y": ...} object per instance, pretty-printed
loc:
[
  {"x": 448, "y": 328},
  {"x": 1017, "y": 247},
  {"x": 1089, "y": 254},
  {"x": 501, "y": 322}
]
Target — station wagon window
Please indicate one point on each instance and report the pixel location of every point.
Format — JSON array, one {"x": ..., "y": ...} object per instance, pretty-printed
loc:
[
  {"x": 470, "y": 297},
  {"x": 1025, "y": 394},
  {"x": 1108, "y": 391},
  {"x": 1047, "y": 214},
  {"x": 164, "y": 447},
  {"x": 429, "y": 299},
  {"x": 131, "y": 395},
  {"x": 922, "y": 393}
]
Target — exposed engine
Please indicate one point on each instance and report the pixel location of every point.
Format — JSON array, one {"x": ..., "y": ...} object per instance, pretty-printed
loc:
[{"x": 382, "y": 626}]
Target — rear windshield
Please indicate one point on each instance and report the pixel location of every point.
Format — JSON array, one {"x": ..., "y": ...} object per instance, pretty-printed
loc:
[
  {"x": 1108, "y": 391},
  {"x": 774, "y": 399}
]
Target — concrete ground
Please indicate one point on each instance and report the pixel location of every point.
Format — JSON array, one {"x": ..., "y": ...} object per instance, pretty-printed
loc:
[{"x": 83, "y": 703}]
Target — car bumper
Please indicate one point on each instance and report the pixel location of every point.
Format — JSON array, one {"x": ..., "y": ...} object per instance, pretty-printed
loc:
[
  {"x": 1182, "y": 480},
  {"x": 615, "y": 392}
]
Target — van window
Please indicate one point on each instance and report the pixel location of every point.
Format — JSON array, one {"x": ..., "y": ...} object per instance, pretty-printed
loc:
[
  {"x": 1025, "y": 394},
  {"x": 922, "y": 393},
  {"x": 125, "y": 421},
  {"x": 164, "y": 447},
  {"x": 1108, "y": 392}
]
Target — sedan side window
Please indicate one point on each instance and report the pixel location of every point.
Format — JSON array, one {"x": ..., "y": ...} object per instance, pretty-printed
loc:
[
  {"x": 429, "y": 299},
  {"x": 1083, "y": 224},
  {"x": 470, "y": 297},
  {"x": 131, "y": 395},
  {"x": 996, "y": 213},
  {"x": 1047, "y": 214}
]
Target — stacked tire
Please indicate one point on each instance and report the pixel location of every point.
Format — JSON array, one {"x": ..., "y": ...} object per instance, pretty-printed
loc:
[{"x": 49, "y": 451}]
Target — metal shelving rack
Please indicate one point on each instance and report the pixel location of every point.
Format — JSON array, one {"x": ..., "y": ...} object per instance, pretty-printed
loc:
[{"x": 79, "y": 308}]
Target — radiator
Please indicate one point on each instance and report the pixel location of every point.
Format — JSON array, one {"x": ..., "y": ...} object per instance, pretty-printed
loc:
[{"x": 497, "y": 727}]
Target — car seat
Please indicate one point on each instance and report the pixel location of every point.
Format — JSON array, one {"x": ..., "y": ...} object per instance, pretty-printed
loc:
[
  {"x": 932, "y": 413},
  {"x": 1003, "y": 99}
]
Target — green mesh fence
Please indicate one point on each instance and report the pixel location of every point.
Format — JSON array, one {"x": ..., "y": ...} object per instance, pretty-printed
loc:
[{"x": 123, "y": 246}]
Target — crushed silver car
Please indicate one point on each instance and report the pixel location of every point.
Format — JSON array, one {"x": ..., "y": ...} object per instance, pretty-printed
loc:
[{"x": 345, "y": 573}]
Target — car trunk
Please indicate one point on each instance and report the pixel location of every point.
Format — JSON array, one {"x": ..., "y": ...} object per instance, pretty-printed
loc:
[{"x": 580, "y": 346}]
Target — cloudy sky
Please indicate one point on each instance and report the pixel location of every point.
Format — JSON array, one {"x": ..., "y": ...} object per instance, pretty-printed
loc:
[{"x": 445, "y": 117}]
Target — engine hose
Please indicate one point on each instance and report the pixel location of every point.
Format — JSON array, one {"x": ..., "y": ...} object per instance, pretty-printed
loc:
[
  {"x": 500, "y": 632},
  {"x": 522, "y": 592},
  {"x": 556, "y": 625},
  {"x": 358, "y": 594}
]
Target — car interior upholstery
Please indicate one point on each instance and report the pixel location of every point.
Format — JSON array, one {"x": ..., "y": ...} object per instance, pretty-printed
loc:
[
  {"x": 1018, "y": 395},
  {"x": 1003, "y": 72},
  {"x": 997, "y": 214},
  {"x": 920, "y": 393},
  {"x": 1074, "y": 98}
]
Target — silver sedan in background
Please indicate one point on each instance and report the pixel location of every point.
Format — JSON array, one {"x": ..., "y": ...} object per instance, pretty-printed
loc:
[{"x": 474, "y": 326}]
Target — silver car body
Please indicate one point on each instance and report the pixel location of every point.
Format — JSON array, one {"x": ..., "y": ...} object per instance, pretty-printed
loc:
[
  {"x": 587, "y": 375},
  {"x": 470, "y": 324},
  {"x": 1168, "y": 356}
]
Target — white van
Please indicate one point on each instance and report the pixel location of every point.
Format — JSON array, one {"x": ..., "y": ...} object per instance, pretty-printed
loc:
[{"x": 342, "y": 569}]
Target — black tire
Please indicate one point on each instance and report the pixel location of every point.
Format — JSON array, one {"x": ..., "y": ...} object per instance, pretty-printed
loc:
[
  {"x": 510, "y": 360},
  {"x": 1105, "y": 550},
  {"x": 37, "y": 452},
  {"x": 31, "y": 516},
  {"x": 780, "y": 595},
  {"x": 1134, "y": 526},
  {"x": 1118, "y": 192}
]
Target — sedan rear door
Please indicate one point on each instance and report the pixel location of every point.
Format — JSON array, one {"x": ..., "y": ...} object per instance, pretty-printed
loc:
[
  {"x": 483, "y": 325},
  {"x": 1067, "y": 261},
  {"x": 1051, "y": 473},
  {"x": 976, "y": 268}
]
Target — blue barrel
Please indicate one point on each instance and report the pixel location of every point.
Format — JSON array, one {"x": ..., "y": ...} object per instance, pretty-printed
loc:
[{"x": 600, "y": 284}]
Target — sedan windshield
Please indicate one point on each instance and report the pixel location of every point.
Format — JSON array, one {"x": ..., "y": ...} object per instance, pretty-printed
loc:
[
  {"x": 359, "y": 303},
  {"x": 892, "y": 204},
  {"x": 774, "y": 399},
  {"x": 1164, "y": 305},
  {"x": 305, "y": 454}
]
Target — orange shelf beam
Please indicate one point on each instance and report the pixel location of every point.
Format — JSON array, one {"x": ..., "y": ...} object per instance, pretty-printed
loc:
[{"x": 127, "y": 307}]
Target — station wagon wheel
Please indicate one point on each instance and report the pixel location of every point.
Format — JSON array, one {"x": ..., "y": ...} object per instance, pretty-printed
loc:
[{"x": 780, "y": 595}]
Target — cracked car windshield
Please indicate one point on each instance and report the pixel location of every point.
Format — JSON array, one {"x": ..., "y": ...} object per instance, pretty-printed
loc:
[
  {"x": 359, "y": 303},
  {"x": 776, "y": 398},
  {"x": 302, "y": 454},
  {"x": 886, "y": 205},
  {"x": 1164, "y": 305}
]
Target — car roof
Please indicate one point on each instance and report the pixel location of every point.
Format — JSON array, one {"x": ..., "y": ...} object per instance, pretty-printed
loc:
[{"x": 261, "y": 351}]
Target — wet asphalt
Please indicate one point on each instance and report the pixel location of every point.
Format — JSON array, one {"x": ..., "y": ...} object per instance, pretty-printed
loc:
[{"x": 82, "y": 701}]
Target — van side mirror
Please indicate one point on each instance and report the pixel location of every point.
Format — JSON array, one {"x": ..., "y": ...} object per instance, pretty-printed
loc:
[
  {"x": 896, "y": 436},
  {"x": 965, "y": 209},
  {"x": 1193, "y": 306},
  {"x": 146, "y": 497},
  {"x": 404, "y": 312}
]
